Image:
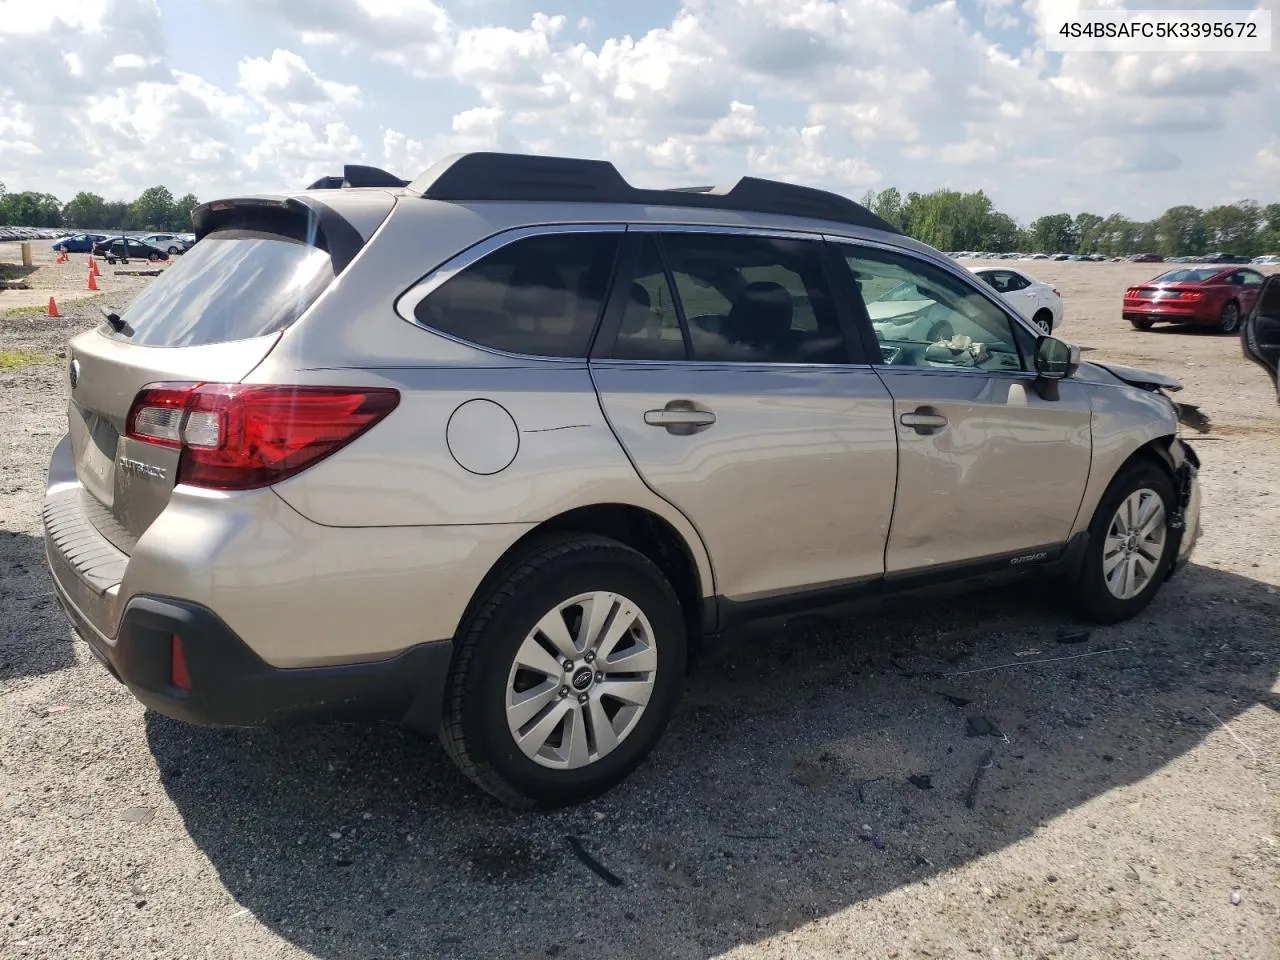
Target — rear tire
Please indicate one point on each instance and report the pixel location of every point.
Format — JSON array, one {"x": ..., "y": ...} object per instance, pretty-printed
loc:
[
  {"x": 577, "y": 738},
  {"x": 1130, "y": 547},
  {"x": 154, "y": 257},
  {"x": 1141, "y": 324},
  {"x": 1044, "y": 320},
  {"x": 1230, "y": 321}
]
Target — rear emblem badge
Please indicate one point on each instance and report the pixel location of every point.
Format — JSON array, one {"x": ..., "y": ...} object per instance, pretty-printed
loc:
[{"x": 75, "y": 373}]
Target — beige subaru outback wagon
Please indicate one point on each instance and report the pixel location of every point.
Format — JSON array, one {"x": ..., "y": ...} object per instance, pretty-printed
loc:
[{"x": 490, "y": 452}]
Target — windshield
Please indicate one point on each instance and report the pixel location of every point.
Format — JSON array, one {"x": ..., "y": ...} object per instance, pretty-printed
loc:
[
  {"x": 1186, "y": 276},
  {"x": 900, "y": 292},
  {"x": 233, "y": 285}
]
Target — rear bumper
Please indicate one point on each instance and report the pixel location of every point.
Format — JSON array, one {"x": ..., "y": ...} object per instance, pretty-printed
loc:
[
  {"x": 231, "y": 686},
  {"x": 1148, "y": 310}
]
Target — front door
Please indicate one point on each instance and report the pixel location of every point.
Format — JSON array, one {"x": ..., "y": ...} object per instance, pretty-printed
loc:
[
  {"x": 724, "y": 372},
  {"x": 987, "y": 469}
]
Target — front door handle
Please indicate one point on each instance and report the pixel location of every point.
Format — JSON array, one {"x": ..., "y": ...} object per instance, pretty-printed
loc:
[
  {"x": 923, "y": 421},
  {"x": 681, "y": 417}
]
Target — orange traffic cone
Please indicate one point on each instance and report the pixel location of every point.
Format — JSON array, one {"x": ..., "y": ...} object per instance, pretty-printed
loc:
[
  {"x": 53, "y": 308},
  {"x": 93, "y": 267},
  {"x": 93, "y": 280}
]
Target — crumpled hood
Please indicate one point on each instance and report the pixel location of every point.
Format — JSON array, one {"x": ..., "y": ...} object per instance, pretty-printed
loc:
[{"x": 1146, "y": 379}]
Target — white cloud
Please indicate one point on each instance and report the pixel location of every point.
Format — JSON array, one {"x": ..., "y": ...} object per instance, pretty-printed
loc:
[
  {"x": 838, "y": 93},
  {"x": 286, "y": 82}
]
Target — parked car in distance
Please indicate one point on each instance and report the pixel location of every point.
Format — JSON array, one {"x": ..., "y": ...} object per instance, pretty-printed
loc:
[
  {"x": 1268, "y": 260},
  {"x": 78, "y": 242},
  {"x": 1220, "y": 258},
  {"x": 1034, "y": 299},
  {"x": 127, "y": 248},
  {"x": 1205, "y": 296},
  {"x": 492, "y": 467},
  {"x": 1260, "y": 333},
  {"x": 170, "y": 243},
  {"x": 1146, "y": 258}
]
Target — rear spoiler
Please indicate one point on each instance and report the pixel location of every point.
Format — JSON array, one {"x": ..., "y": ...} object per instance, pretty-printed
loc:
[{"x": 299, "y": 218}]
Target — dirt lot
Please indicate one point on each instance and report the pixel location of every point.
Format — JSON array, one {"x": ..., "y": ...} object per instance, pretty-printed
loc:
[{"x": 1131, "y": 806}]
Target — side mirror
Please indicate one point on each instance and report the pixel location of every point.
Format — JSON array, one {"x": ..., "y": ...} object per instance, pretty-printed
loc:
[{"x": 1055, "y": 360}]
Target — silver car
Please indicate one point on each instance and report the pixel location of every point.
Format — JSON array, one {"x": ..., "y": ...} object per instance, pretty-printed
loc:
[{"x": 493, "y": 452}]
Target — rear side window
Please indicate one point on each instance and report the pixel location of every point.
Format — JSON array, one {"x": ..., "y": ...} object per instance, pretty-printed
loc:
[
  {"x": 539, "y": 296},
  {"x": 752, "y": 299},
  {"x": 233, "y": 285}
]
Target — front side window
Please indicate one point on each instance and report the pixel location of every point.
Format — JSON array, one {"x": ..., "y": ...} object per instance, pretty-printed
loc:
[
  {"x": 539, "y": 296},
  {"x": 753, "y": 299},
  {"x": 925, "y": 317},
  {"x": 1251, "y": 279}
]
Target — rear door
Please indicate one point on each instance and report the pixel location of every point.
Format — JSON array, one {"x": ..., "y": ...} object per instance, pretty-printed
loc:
[
  {"x": 987, "y": 470},
  {"x": 724, "y": 371},
  {"x": 212, "y": 317}
]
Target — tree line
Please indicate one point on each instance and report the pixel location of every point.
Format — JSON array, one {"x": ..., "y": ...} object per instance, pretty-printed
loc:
[
  {"x": 945, "y": 219},
  {"x": 954, "y": 221},
  {"x": 154, "y": 209}
]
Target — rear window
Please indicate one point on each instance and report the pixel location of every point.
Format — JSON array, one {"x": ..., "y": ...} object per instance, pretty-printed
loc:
[
  {"x": 233, "y": 285},
  {"x": 1186, "y": 276},
  {"x": 539, "y": 296}
]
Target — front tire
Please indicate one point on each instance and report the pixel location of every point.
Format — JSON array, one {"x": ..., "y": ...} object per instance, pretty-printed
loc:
[
  {"x": 1130, "y": 545},
  {"x": 565, "y": 674}
]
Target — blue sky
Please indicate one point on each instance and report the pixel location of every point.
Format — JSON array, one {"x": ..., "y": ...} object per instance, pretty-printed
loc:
[{"x": 224, "y": 96}]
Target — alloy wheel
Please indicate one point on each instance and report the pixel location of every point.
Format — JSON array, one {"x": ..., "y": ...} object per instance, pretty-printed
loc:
[
  {"x": 1230, "y": 317},
  {"x": 581, "y": 680},
  {"x": 1134, "y": 545}
]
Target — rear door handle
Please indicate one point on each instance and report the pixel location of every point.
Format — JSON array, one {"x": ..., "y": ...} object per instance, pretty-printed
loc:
[
  {"x": 923, "y": 421},
  {"x": 680, "y": 417}
]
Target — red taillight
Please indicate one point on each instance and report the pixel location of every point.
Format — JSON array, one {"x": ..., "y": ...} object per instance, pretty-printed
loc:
[
  {"x": 178, "y": 674},
  {"x": 1056, "y": 293},
  {"x": 240, "y": 436},
  {"x": 1131, "y": 293}
]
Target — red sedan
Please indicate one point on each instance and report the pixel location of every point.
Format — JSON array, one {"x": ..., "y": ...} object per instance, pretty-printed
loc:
[{"x": 1205, "y": 296}]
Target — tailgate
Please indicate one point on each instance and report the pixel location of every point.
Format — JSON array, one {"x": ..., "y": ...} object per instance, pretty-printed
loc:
[{"x": 131, "y": 481}]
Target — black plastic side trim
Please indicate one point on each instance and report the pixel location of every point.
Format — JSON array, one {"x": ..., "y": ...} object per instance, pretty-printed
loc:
[
  {"x": 510, "y": 177},
  {"x": 233, "y": 686},
  {"x": 1053, "y": 558}
]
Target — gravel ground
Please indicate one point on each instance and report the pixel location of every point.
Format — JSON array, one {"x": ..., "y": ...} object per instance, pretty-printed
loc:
[{"x": 1127, "y": 805}]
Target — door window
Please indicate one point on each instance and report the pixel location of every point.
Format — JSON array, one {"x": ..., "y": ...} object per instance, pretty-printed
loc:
[
  {"x": 738, "y": 298},
  {"x": 1250, "y": 279},
  {"x": 650, "y": 328},
  {"x": 924, "y": 316},
  {"x": 539, "y": 296}
]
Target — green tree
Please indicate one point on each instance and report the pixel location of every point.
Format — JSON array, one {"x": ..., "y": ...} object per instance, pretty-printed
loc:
[
  {"x": 1054, "y": 233},
  {"x": 1233, "y": 228},
  {"x": 153, "y": 210},
  {"x": 1180, "y": 231},
  {"x": 1088, "y": 231},
  {"x": 29, "y": 209},
  {"x": 1268, "y": 235},
  {"x": 85, "y": 210},
  {"x": 182, "y": 208},
  {"x": 887, "y": 205}
]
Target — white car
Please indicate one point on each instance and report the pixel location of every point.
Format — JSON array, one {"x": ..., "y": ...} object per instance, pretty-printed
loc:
[
  {"x": 170, "y": 243},
  {"x": 1265, "y": 261},
  {"x": 1037, "y": 301}
]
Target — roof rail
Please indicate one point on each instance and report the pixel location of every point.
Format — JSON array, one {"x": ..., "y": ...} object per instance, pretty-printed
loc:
[
  {"x": 358, "y": 175},
  {"x": 479, "y": 177}
]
